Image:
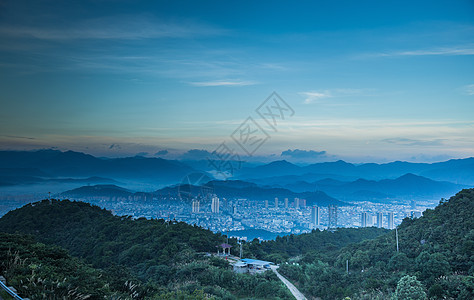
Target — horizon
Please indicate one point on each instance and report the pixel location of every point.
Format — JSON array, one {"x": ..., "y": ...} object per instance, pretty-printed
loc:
[
  {"x": 254, "y": 161},
  {"x": 378, "y": 82}
]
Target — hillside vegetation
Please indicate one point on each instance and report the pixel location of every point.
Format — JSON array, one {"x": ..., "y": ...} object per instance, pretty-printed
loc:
[
  {"x": 437, "y": 249},
  {"x": 150, "y": 259}
]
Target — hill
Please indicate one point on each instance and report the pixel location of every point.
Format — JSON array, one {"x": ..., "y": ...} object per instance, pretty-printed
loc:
[
  {"x": 242, "y": 189},
  {"x": 437, "y": 249},
  {"x": 162, "y": 260}
]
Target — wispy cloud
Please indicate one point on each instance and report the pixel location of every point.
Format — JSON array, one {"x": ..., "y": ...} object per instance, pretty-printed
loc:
[
  {"x": 311, "y": 97},
  {"x": 222, "y": 83},
  {"x": 413, "y": 142},
  {"x": 315, "y": 96},
  {"x": 447, "y": 51},
  {"x": 114, "y": 27},
  {"x": 469, "y": 89}
]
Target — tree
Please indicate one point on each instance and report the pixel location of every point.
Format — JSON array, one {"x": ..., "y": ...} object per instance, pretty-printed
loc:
[{"x": 409, "y": 288}]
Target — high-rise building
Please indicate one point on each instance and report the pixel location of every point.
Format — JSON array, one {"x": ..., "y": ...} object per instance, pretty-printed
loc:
[
  {"x": 315, "y": 216},
  {"x": 215, "y": 205},
  {"x": 195, "y": 206},
  {"x": 379, "y": 220},
  {"x": 363, "y": 219},
  {"x": 332, "y": 216},
  {"x": 266, "y": 204},
  {"x": 391, "y": 224},
  {"x": 302, "y": 202},
  {"x": 286, "y": 202},
  {"x": 297, "y": 203},
  {"x": 235, "y": 210},
  {"x": 276, "y": 202},
  {"x": 413, "y": 204}
]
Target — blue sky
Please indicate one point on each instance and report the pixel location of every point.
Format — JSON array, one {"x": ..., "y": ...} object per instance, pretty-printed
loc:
[{"x": 367, "y": 80}]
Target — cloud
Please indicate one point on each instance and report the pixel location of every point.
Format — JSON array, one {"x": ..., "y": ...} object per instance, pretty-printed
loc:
[
  {"x": 315, "y": 96},
  {"x": 18, "y": 137},
  {"x": 195, "y": 154},
  {"x": 451, "y": 51},
  {"x": 222, "y": 83},
  {"x": 303, "y": 154},
  {"x": 161, "y": 153},
  {"x": 469, "y": 89},
  {"x": 125, "y": 27},
  {"x": 412, "y": 142},
  {"x": 115, "y": 147}
]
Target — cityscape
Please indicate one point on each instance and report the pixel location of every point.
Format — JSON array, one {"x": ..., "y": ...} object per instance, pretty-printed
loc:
[{"x": 280, "y": 216}]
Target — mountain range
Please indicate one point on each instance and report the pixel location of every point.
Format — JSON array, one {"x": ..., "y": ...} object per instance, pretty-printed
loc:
[{"x": 317, "y": 183}]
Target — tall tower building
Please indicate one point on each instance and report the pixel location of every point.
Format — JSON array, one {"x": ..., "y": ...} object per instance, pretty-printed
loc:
[
  {"x": 315, "y": 216},
  {"x": 266, "y": 204},
  {"x": 379, "y": 220},
  {"x": 363, "y": 219},
  {"x": 195, "y": 206},
  {"x": 391, "y": 223},
  {"x": 276, "y": 202},
  {"x": 332, "y": 216},
  {"x": 215, "y": 205},
  {"x": 297, "y": 203},
  {"x": 286, "y": 202}
]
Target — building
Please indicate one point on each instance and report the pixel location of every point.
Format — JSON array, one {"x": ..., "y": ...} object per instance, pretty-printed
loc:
[
  {"x": 297, "y": 203},
  {"x": 266, "y": 204},
  {"x": 379, "y": 220},
  {"x": 215, "y": 205},
  {"x": 363, "y": 219},
  {"x": 332, "y": 216},
  {"x": 235, "y": 210},
  {"x": 302, "y": 202},
  {"x": 276, "y": 202},
  {"x": 315, "y": 216},
  {"x": 286, "y": 202},
  {"x": 252, "y": 266},
  {"x": 391, "y": 224},
  {"x": 195, "y": 207}
]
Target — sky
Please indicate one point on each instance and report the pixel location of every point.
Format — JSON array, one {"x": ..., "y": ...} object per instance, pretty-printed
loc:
[{"x": 363, "y": 81}]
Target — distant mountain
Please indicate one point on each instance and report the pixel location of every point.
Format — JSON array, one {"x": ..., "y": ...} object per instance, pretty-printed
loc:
[
  {"x": 252, "y": 191},
  {"x": 459, "y": 171},
  {"x": 108, "y": 190},
  {"x": 408, "y": 185},
  {"x": 76, "y": 164}
]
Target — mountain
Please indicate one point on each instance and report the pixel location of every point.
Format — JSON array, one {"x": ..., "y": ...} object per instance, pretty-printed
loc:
[
  {"x": 53, "y": 163},
  {"x": 252, "y": 191},
  {"x": 460, "y": 171},
  {"x": 109, "y": 190},
  {"x": 408, "y": 185}
]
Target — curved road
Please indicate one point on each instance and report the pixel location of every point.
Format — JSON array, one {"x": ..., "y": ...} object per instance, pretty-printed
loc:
[{"x": 298, "y": 295}]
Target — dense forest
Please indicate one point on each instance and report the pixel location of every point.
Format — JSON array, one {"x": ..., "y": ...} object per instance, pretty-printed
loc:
[
  {"x": 436, "y": 255},
  {"x": 119, "y": 257},
  {"x": 75, "y": 250}
]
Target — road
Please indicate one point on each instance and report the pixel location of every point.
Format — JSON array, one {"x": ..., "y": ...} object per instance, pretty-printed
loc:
[{"x": 298, "y": 295}]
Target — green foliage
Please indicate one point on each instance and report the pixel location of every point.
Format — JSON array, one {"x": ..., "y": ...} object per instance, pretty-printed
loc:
[
  {"x": 130, "y": 259},
  {"x": 437, "y": 248},
  {"x": 409, "y": 288}
]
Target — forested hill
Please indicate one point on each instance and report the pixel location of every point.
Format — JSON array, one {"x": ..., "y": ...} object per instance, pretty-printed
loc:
[
  {"x": 161, "y": 260},
  {"x": 94, "y": 233},
  {"x": 438, "y": 249}
]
